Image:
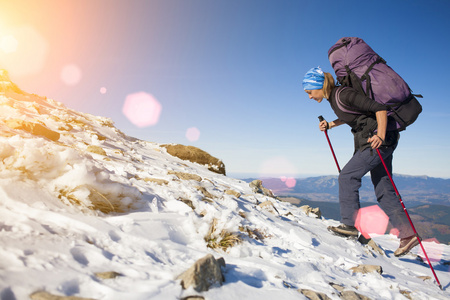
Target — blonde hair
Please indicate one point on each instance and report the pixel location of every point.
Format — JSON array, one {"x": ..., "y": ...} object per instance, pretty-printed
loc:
[{"x": 328, "y": 85}]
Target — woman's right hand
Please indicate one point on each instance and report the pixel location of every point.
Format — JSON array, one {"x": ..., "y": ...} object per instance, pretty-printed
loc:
[{"x": 323, "y": 125}]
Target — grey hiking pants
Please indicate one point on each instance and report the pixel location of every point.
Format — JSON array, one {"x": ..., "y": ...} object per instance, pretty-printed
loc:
[{"x": 350, "y": 182}]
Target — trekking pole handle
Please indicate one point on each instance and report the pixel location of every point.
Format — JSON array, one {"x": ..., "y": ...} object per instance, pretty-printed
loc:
[{"x": 322, "y": 119}]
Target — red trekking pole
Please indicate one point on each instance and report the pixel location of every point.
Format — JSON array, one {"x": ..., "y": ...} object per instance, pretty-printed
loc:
[
  {"x": 409, "y": 219},
  {"x": 331, "y": 147}
]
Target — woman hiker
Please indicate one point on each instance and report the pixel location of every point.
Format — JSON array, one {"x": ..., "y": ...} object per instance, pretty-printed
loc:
[{"x": 370, "y": 130}]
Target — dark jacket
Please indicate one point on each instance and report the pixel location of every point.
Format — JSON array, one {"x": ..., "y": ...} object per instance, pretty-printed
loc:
[{"x": 364, "y": 123}]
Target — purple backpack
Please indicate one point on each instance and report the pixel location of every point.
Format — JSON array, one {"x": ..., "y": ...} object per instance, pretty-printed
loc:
[{"x": 356, "y": 65}]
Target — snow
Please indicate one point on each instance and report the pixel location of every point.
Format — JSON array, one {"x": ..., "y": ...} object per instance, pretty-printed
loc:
[{"x": 51, "y": 240}]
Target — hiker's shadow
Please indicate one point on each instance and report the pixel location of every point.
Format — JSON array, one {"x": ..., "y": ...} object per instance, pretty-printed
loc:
[
  {"x": 417, "y": 260},
  {"x": 438, "y": 265},
  {"x": 255, "y": 278},
  {"x": 407, "y": 258}
]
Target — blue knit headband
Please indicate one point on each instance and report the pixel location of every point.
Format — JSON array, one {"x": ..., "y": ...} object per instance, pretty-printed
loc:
[{"x": 314, "y": 79}]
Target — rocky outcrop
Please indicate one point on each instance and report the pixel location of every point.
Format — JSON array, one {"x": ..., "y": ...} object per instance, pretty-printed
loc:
[
  {"x": 96, "y": 150},
  {"x": 309, "y": 210},
  {"x": 351, "y": 295},
  {"x": 364, "y": 269},
  {"x": 185, "y": 176},
  {"x": 203, "y": 274},
  {"x": 267, "y": 205},
  {"x": 107, "y": 275},
  {"x": 233, "y": 193},
  {"x": 347, "y": 294},
  {"x": 196, "y": 155},
  {"x": 257, "y": 187},
  {"x": 313, "y": 295},
  {"x": 33, "y": 128}
]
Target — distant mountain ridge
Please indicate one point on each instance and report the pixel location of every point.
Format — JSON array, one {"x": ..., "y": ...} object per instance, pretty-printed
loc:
[
  {"x": 427, "y": 199},
  {"x": 415, "y": 190}
]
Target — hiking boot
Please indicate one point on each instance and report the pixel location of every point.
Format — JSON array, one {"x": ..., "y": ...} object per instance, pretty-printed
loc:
[
  {"x": 406, "y": 244},
  {"x": 345, "y": 230}
]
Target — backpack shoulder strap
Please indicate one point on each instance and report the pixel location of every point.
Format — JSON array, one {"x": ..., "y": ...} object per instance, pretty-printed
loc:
[
  {"x": 366, "y": 75},
  {"x": 341, "y": 105}
]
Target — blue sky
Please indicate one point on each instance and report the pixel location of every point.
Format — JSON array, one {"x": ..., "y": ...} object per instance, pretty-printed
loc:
[{"x": 233, "y": 70}]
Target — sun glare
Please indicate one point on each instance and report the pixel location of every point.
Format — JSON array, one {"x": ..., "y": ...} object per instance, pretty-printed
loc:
[
  {"x": 8, "y": 44},
  {"x": 23, "y": 50}
]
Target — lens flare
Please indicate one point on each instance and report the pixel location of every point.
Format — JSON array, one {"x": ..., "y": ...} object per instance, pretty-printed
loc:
[
  {"x": 23, "y": 51},
  {"x": 103, "y": 90},
  {"x": 193, "y": 134},
  {"x": 290, "y": 182},
  {"x": 142, "y": 109},
  {"x": 395, "y": 231},
  {"x": 8, "y": 44},
  {"x": 371, "y": 219},
  {"x": 433, "y": 248},
  {"x": 71, "y": 74}
]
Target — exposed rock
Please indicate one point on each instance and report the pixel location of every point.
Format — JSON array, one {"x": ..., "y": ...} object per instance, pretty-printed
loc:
[
  {"x": 7, "y": 85},
  {"x": 310, "y": 294},
  {"x": 96, "y": 149},
  {"x": 203, "y": 274},
  {"x": 348, "y": 295},
  {"x": 154, "y": 180},
  {"x": 205, "y": 192},
  {"x": 47, "y": 296},
  {"x": 65, "y": 127},
  {"x": 233, "y": 193},
  {"x": 107, "y": 275},
  {"x": 221, "y": 262},
  {"x": 268, "y": 205},
  {"x": 33, "y": 128},
  {"x": 375, "y": 247},
  {"x": 407, "y": 294},
  {"x": 257, "y": 187},
  {"x": 196, "y": 155},
  {"x": 185, "y": 176},
  {"x": 424, "y": 277},
  {"x": 188, "y": 203},
  {"x": 288, "y": 285},
  {"x": 351, "y": 295},
  {"x": 253, "y": 233},
  {"x": 364, "y": 269},
  {"x": 337, "y": 287},
  {"x": 308, "y": 209},
  {"x": 100, "y": 137},
  {"x": 196, "y": 297},
  {"x": 119, "y": 152}
]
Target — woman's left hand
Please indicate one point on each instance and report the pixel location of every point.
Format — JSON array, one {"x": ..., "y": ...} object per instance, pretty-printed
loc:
[{"x": 375, "y": 142}]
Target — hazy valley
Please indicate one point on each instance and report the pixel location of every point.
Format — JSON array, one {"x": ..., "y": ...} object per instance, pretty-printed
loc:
[{"x": 427, "y": 199}]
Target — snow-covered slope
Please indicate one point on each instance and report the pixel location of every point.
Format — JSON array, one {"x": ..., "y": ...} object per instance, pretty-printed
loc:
[{"x": 68, "y": 211}]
